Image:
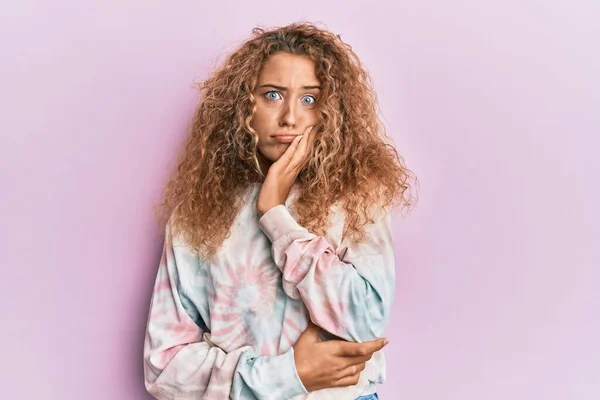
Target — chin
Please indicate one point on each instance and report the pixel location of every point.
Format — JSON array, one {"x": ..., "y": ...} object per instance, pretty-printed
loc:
[{"x": 274, "y": 154}]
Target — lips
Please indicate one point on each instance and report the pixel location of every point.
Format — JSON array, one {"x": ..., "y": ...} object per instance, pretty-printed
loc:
[{"x": 284, "y": 137}]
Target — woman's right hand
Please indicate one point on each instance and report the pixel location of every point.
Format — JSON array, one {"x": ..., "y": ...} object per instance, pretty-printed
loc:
[{"x": 333, "y": 363}]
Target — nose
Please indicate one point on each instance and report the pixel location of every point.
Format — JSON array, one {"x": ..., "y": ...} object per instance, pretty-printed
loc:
[{"x": 288, "y": 114}]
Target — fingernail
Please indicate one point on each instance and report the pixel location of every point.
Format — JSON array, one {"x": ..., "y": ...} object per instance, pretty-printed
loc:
[
  {"x": 300, "y": 137},
  {"x": 385, "y": 342}
]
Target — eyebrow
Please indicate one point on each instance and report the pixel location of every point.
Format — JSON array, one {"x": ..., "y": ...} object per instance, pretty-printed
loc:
[{"x": 284, "y": 89}]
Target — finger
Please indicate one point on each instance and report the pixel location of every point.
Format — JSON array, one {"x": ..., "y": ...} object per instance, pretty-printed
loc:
[
  {"x": 347, "y": 381},
  {"x": 352, "y": 370},
  {"x": 349, "y": 349},
  {"x": 356, "y": 360},
  {"x": 301, "y": 151},
  {"x": 286, "y": 157}
]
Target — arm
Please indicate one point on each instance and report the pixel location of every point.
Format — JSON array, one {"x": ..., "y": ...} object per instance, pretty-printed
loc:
[
  {"x": 181, "y": 363},
  {"x": 349, "y": 292}
]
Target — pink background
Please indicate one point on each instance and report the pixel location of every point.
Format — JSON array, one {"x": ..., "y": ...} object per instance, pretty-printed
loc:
[{"x": 495, "y": 106}]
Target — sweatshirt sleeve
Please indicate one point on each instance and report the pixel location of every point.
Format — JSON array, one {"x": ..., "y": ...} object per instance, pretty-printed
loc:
[
  {"x": 180, "y": 362},
  {"x": 349, "y": 291}
]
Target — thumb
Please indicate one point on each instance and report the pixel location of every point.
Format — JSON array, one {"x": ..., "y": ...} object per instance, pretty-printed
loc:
[{"x": 312, "y": 332}]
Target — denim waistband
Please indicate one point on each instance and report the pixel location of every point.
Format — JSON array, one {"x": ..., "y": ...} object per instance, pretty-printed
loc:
[{"x": 373, "y": 396}]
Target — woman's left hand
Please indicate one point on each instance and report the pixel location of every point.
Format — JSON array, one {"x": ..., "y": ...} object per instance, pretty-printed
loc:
[{"x": 283, "y": 173}]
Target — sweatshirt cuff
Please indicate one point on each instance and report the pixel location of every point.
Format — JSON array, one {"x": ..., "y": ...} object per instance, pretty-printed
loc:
[
  {"x": 277, "y": 222},
  {"x": 298, "y": 386},
  {"x": 273, "y": 377}
]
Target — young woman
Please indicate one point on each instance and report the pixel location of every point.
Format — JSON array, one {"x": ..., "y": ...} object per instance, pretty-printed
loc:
[{"x": 277, "y": 274}]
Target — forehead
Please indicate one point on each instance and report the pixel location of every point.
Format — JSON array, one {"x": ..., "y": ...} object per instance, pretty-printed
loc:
[{"x": 288, "y": 70}]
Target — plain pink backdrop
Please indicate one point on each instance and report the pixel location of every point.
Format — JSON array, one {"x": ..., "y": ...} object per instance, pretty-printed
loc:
[{"x": 495, "y": 106}]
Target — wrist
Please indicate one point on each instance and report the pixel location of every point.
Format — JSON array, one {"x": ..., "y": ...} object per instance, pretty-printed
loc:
[{"x": 263, "y": 208}]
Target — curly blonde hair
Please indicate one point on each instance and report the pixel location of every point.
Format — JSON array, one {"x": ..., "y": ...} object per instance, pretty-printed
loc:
[{"x": 351, "y": 164}]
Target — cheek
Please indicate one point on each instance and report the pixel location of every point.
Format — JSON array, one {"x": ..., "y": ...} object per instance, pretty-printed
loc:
[
  {"x": 314, "y": 116},
  {"x": 272, "y": 151},
  {"x": 261, "y": 123},
  {"x": 264, "y": 114}
]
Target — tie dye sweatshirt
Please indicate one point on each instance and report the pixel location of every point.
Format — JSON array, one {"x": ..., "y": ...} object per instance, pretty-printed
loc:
[{"x": 225, "y": 328}]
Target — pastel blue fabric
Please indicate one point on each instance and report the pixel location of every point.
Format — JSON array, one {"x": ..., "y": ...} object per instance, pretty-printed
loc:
[{"x": 373, "y": 396}]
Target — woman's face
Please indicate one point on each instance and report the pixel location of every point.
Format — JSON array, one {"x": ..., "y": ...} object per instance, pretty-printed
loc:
[{"x": 286, "y": 96}]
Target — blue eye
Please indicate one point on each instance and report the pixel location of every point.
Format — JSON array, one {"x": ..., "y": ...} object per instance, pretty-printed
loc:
[
  {"x": 311, "y": 100},
  {"x": 272, "y": 95}
]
